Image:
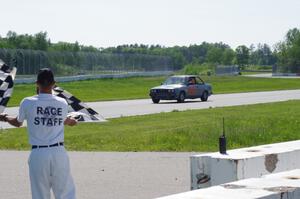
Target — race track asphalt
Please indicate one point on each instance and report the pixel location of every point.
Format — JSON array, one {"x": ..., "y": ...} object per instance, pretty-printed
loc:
[
  {"x": 105, "y": 175},
  {"x": 115, "y": 109},
  {"x": 126, "y": 175}
]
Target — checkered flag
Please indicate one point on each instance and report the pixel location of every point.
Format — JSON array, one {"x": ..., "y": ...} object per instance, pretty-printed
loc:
[
  {"x": 77, "y": 109},
  {"x": 7, "y": 77}
]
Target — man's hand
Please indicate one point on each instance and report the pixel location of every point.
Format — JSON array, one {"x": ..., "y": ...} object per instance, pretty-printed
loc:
[
  {"x": 11, "y": 120},
  {"x": 70, "y": 121},
  {"x": 3, "y": 117}
]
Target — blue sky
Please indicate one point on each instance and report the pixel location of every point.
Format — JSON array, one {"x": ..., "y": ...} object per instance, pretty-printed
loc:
[{"x": 104, "y": 23}]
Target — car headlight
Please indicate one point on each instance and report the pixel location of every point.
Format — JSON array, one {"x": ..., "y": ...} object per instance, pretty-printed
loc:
[
  {"x": 171, "y": 91},
  {"x": 152, "y": 91}
]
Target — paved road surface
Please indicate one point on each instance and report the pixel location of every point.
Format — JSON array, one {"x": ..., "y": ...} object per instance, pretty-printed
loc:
[
  {"x": 127, "y": 175},
  {"x": 105, "y": 175},
  {"x": 114, "y": 109}
]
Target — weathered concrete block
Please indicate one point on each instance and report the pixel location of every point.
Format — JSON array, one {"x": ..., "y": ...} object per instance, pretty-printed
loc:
[
  {"x": 214, "y": 168},
  {"x": 285, "y": 185}
]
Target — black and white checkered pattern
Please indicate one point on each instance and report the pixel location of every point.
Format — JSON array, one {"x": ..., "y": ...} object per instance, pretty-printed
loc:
[
  {"x": 7, "y": 77},
  {"x": 77, "y": 109}
]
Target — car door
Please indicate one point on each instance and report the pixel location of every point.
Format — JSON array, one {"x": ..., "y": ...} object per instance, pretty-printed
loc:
[
  {"x": 200, "y": 87},
  {"x": 192, "y": 90}
]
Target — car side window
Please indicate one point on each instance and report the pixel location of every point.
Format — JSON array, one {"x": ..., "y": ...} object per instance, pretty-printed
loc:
[
  {"x": 199, "y": 81},
  {"x": 192, "y": 81}
]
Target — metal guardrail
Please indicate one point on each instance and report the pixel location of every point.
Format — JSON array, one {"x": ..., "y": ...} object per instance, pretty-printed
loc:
[
  {"x": 257, "y": 71},
  {"x": 98, "y": 76},
  {"x": 286, "y": 70},
  {"x": 286, "y": 74}
]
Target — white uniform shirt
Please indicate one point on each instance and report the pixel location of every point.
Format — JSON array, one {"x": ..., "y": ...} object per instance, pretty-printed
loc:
[{"x": 45, "y": 115}]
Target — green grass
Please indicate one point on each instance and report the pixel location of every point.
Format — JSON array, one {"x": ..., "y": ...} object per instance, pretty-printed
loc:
[
  {"x": 196, "y": 130},
  {"x": 254, "y": 73},
  {"x": 137, "y": 88},
  {"x": 97, "y": 90},
  {"x": 236, "y": 84}
]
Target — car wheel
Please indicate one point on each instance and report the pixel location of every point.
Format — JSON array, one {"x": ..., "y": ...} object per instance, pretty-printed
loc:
[
  {"x": 155, "y": 100},
  {"x": 181, "y": 97},
  {"x": 204, "y": 96}
]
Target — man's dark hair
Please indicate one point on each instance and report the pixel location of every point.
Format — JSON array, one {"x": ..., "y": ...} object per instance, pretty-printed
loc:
[{"x": 45, "y": 77}]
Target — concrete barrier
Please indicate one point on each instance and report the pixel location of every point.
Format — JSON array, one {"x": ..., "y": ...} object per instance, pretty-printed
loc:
[
  {"x": 215, "y": 169},
  {"x": 285, "y": 185},
  {"x": 98, "y": 76}
]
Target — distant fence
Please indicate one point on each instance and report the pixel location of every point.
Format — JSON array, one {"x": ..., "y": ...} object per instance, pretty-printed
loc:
[
  {"x": 227, "y": 70},
  {"x": 97, "y": 76},
  {"x": 73, "y": 63},
  {"x": 285, "y": 70}
]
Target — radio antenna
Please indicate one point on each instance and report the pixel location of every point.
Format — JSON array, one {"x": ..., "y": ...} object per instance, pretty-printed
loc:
[
  {"x": 222, "y": 141},
  {"x": 223, "y": 127}
]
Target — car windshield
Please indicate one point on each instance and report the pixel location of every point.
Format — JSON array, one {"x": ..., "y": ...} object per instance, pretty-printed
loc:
[{"x": 174, "y": 80}]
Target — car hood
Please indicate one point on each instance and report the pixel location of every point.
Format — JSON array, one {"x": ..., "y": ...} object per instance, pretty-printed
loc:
[
  {"x": 171, "y": 86},
  {"x": 209, "y": 85}
]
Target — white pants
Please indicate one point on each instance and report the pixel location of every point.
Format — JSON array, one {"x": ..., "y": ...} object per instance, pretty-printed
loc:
[{"x": 49, "y": 168}]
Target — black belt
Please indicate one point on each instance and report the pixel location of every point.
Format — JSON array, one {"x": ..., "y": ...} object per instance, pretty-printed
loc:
[{"x": 46, "y": 146}]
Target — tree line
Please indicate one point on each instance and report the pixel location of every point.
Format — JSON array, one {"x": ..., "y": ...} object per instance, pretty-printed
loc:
[{"x": 286, "y": 52}]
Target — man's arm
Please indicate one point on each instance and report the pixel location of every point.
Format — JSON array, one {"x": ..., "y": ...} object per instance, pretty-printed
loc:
[
  {"x": 70, "y": 121},
  {"x": 11, "y": 120}
]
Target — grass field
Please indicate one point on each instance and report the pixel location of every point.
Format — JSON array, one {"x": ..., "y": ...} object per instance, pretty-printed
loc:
[
  {"x": 136, "y": 88},
  {"x": 97, "y": 90},
  {"x": 255, "y": 72},
  {"x": 196, "y": 130}
]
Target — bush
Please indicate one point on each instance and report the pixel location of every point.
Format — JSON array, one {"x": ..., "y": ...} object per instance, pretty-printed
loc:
[
  {"x": 60, "y": 69},
  {"x": 258, "y": 67},
  {"x": 199, "y": 69}
]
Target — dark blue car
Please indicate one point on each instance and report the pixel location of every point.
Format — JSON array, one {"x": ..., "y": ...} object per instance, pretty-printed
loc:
[{"x": 180, "y": 88}]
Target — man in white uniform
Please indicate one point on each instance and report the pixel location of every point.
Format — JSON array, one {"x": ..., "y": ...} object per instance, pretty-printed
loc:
[{"x": 46, "y": 115}]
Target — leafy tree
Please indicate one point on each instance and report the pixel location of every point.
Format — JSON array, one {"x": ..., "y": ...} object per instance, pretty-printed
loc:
[
  {"x": 75, "y": 54},
  {"x": 228, "y": 56},
  {"x": 242, "y": 55},
  {"x": 41, "y": 42},
  {"x": 76, "y": 47},
  {"x": 261, "y": 55},
  {"x": 288, "y": 51},
  {"x": 214, "y": 55}
]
